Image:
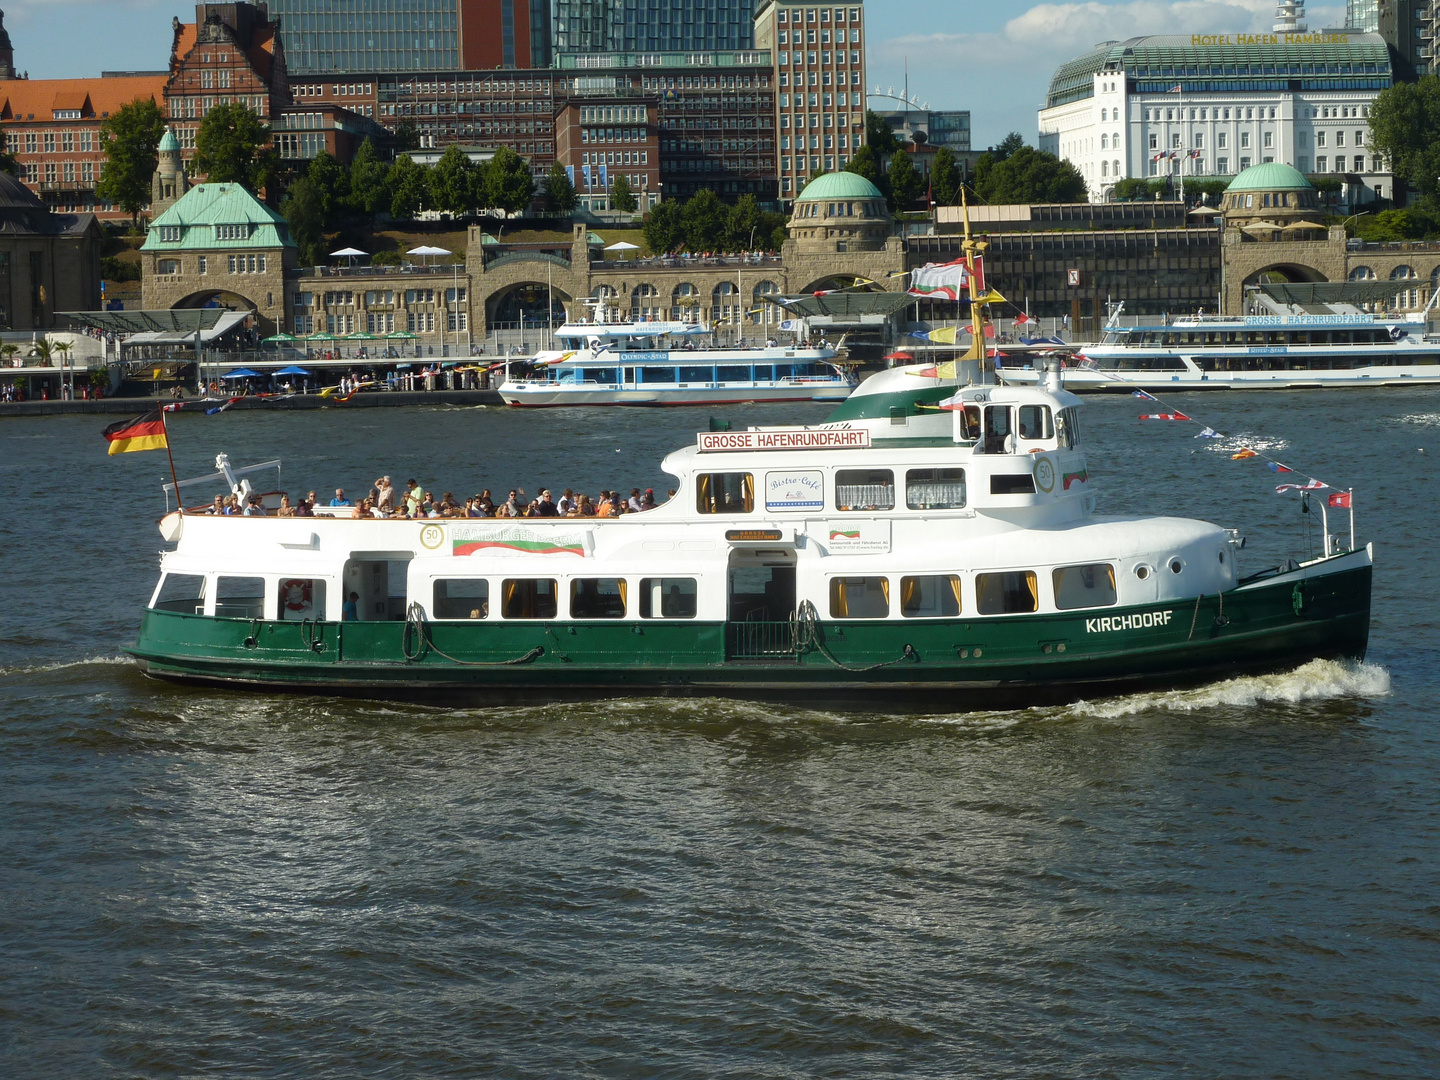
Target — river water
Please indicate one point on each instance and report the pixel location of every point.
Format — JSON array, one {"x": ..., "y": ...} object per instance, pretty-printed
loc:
[{"x": 1233, "y": 881}]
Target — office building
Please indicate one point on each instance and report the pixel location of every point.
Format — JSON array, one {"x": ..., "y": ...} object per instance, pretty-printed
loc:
[
  {"x": 599, "y": 26},
  {"x": 1408, "y": 27}
]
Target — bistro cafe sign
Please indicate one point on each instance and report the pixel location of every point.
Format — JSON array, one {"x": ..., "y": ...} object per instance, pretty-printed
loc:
[{"x": 1269, "y": 39}]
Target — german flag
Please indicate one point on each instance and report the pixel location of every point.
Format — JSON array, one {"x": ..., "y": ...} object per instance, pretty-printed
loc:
[{"x": 143, "y": 433}]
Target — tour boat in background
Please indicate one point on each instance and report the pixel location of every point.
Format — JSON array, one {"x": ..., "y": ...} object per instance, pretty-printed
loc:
[{"x": 657, "y": 363}]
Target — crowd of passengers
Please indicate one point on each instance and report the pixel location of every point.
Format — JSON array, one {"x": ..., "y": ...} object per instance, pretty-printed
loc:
[{"x": 414, "y": 502}]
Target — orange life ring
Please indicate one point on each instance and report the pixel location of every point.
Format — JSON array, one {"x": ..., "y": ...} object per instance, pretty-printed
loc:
[{"x": 298, "y": 593}]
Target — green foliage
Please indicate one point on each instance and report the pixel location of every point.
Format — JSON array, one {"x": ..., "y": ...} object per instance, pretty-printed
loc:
[
  {"x": 621, "y": 197},
  {"x": 905, "y": 181},
  {"x": 664, "y": 228},
  {"x": 113, "y": 269},
  {"x": 409, "y": 188},
  {"x": 1008, "y": 146},
  {"x": 8, "y": 163},
  {"x": 863, "y": 164},
  {"x": 304, "y": 209},
  {"x": 509, "y": 185},
  {"x": 407, "y": 135},
  {"x": 369, "y": 181},
  {"x": 1394, "y": 226},
  {"x": 878, "y": 135},
  {"x": 742, "y": 222},
  {"x": 331, "y": 182},
  {"x": 1132, "y": 189},
  {"x": 453, "y": 184},
  {"x": 1026, "y": 175},
  {"x": 705, "y": 217},
  {"x": 944, "y": 177},
  {"x": 227, "y": 146},
  {"x": 1405, "y": 128},
  {"x": 778, "y": 236},
  {"x": 386, "y": 258},
  {"x": 1326, "y": 183},
  {"x": 560, "y": 197},
  {"x": 129, "y": 138}
]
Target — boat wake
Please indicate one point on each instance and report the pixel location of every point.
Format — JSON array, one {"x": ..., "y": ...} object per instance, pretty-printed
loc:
[
  {"x": 1420, "y": 419},
  {"x": 64, "y": 665}
]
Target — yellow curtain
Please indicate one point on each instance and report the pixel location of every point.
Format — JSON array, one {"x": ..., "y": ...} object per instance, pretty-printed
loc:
[
  {"x": 955, "y": 588},
  {"x": 749, "y": 493},
  {"x": 839, "y": 605},
  {"x": 702, "y": 499},
  {"x": 1110, "y": 573},
  {"x": 510, "y": 587},
  {"x": 909, "y": 592},
  {"x": 985, "y": 585},
  {"x": 624, "y": 594},
  {"x": 1032, "y": 584},
  {"x": 885, "y": 591}
]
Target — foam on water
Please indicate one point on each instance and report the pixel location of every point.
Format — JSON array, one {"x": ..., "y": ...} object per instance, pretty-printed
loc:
[
  {"x": 63, "y": 665},
  {"x": 1420, "y": 419}
]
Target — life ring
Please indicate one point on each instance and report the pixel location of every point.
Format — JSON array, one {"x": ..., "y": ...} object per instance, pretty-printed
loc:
[{"x": 298, "y": 594}]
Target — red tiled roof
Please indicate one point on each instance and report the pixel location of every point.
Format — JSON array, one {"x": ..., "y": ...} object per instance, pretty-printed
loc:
[{"x": 25, "y": 99}]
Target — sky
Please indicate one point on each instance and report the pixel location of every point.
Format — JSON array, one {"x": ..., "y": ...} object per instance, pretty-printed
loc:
[{"x": 994, "y": 59}]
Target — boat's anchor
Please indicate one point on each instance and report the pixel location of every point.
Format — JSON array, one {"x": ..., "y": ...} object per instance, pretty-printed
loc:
[{"x": 251, "y": 640}]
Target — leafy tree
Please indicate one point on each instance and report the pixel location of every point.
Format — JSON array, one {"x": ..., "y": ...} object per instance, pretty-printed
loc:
[
  {"x": 878, "y": 134},
  {"x": 743, "y": 222},
  {"x": 866, "y": 164},
  {"x": 1395, "y": 226},
  {"x": 1133, "y": 189},
  {"x": 1405, "y": 128},
  {"x": 509, "y": 185},
  {"x": 409, "y": 188},
  {"x": 407, "y": 135},
  {"x": 621, "y": 197},
  {"x": 1008, "y": 146},
  {"x": 369, "y": 181},
  {"x": 7, "y": 159},
  {"x": 560, "y": 197},
  {"x": 227, "y": 146},
  {"x": 664, "y": 228},
  {"x": 452, "y": 182},
  {"x": 331, "y": 183},
  {"x": 944, "y": 177},
  {"x": 1027, "y": 175},
  {"x": 304, "y": 209},
  {"x": 129, "y": 138},
  {"x": 705, "y": 217},
  {"x": 778, "y": 236},
  {"x": 905, "y": 181}
]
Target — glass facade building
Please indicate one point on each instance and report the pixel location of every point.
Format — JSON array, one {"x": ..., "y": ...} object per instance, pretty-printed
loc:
[
  {"x": 592, "y": 26},
  {"x": 369, "y": 35},
  {"x": 1362, "y": 15}
]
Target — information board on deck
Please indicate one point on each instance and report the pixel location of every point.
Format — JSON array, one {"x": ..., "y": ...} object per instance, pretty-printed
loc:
[{"x": 783, "y": 439}]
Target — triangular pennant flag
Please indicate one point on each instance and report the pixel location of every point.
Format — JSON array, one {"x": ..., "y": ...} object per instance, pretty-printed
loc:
[
  {"x": 1243, "y": 454},
  {"x": 1164, "y": 416},
  {"x": 1275, "y": 466},
  {"x": 1209, "y": 433}
]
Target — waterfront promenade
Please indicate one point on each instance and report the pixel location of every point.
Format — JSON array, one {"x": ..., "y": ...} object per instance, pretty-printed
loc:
[{"x": 291, "y": 402}]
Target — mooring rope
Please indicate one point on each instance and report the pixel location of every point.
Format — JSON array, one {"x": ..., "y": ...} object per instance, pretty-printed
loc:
[
  {"x": 804, "y": 627},
  {"x": 415, "y": 623}
]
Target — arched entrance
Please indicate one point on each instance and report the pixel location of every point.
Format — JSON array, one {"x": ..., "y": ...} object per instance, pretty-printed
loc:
[
  {"x": 230, "y": 301},
  {"x": 848, "y": 282},
  {"x": 526, "y": 305},
  {"x": 1285, "y": 273}
]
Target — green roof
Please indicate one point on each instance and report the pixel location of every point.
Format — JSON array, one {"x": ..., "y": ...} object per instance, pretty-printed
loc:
[
  {"x": 217, "y": 217},
  {"x": 840, "y": 185},
  {"x": 1271, "y": 176},
  {"x": 168, "y": 142}
]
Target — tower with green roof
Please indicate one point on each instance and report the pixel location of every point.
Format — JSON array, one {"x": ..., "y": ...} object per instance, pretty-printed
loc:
[{"x": 169, "y": 181}]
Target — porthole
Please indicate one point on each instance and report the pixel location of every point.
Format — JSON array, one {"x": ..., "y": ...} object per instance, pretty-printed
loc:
[
  {"x": 1222, "y": 558},
  {"x": 1176, "y": 565},
  {"x": 1142, "y": 571}
]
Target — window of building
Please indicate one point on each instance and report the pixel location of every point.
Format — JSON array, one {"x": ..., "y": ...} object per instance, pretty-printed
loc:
[
  {"x": 1339, "y": 138},
  {"x": 1268, "y": 139},
  {"x": 859, "y": 598},
  {"x": 167, "y": 266},
  {"x": 933, "y": 596},
  {"x": 204, "y": 264}
]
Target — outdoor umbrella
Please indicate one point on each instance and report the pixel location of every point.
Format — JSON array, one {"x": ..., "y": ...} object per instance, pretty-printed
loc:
[
  {"x": 426, "y": 250},
  {"x": 291, "y": 370},
  {"x": 321, "y": 336},
  {"x": 402, "y": 335},
  {"x": 621, "y": 245},
  {"x": 899, "y": 355},
  {"x": 282, "y": 337},
  {"x": 349, "y": 254},
  {"x": 241, "y": 373}
]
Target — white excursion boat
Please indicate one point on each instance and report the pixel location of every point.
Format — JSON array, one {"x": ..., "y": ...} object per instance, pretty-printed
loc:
[
  {"x": 931, "y": 546},
  {"x": 656, "y": 363},
  {"x": 1285, "y": 351}
]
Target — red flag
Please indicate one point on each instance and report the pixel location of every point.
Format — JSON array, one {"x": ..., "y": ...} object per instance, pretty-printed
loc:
[
  {"x": 1341, "y": 500},
  {"x": 1164, "y": 416},
  {"x": 1021, "y": 319}
]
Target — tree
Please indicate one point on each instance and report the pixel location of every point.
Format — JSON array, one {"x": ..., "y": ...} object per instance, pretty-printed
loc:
[
  {"x": 227, "y": 146},
  {"x": 866, "y": 164},
  {"x": 878, "y": 134},
  {"x": 664, "y": 228},
  {"x": 905, "y": 182},
  {"x": 369, "y": 181},
  {"x": 8, "y": 163},
  {"x": 1395, "y": 226},
  {"x": 621, "y": 197},
  {"x": 560, "y": 197},
  {"x": 743, "y": 223},
  {"x": 407, "y": 135},
  {"x": 1027, "y": 175},
  {"x": 409, "y": 188},
  {"x": 1008, "y": 146},
  {"x": 1405, "y": 128},
  {"x": 1132, "y": 189},
  {"x": 331, "y": 184},
  {"x": 944, "y": 177},
  {"x": 509, "y": 185},
  {"x": 304, "y": 210},
  {"x": 452, "y": 182},
  {"x": 129, "y": 138},
  {"x": 704, "y": 217}
]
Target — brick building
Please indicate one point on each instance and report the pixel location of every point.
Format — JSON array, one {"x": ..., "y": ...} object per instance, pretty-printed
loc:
[{"x": 600, "y": 137}]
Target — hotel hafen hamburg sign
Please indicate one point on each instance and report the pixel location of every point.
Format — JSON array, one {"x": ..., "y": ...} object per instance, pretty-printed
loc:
[{"x": 1269, "y": 39}]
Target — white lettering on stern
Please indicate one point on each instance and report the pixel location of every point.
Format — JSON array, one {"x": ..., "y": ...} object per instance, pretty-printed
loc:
[{"x": 1143, "y": 621}]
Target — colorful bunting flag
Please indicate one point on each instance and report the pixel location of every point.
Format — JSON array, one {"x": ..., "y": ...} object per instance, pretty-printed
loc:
[
  {"x": 1164, "y": 416},
  {"x": 1243, "y": 454},
  {"x": 1340, "y": 500},
  {"x": 1309, "y": 485},
  {"x": 1209, "y": 433},
  {"x": 1142, "y": 395},
  {"x": 1275, "y": 466}
]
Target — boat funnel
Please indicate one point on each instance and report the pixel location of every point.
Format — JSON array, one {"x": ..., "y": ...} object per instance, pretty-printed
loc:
[{"x": 1054, "y": 376}]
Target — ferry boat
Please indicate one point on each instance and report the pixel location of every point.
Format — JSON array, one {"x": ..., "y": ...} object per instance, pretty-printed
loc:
[
  {"x": 1282, "y": 351},
  {"x": 643, "y": 363},
  {"x": 931, "y": 546}
]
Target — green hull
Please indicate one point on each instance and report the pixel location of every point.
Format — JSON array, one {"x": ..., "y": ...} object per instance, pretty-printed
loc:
[{"x": 960, "y": 663}]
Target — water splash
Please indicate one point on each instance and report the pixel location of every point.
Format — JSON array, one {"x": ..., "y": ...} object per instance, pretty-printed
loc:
[
  {"x": 1419, "y": 419},
  {"x": 63, "y": 665}
]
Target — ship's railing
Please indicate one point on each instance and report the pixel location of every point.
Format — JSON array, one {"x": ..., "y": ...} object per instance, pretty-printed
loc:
[{"x": 759, "y": 640}]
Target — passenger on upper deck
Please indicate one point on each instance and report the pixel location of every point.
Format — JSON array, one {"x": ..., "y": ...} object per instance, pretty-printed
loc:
[{"x": 286, "y": 509}]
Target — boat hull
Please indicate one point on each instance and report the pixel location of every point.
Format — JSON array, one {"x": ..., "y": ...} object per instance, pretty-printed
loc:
[
  {"x": 1319, "y": 611},
  {"x": 552, "y": 396}
]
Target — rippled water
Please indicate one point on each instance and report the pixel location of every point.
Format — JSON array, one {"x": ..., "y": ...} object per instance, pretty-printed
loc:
[{"x": 1237, "y": 880}]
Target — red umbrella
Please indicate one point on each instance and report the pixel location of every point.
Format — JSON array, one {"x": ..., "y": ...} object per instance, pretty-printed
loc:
[{"x": 900, "y": 356}]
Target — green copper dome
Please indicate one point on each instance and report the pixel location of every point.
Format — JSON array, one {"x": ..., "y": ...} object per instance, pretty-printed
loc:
[
  {"x": 1270, "y": 176},
  {"x": 839, "y": 185},
  {"x": 168, "y": 142}
]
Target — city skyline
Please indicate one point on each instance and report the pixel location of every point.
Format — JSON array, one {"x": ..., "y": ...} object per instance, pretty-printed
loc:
[{"x": 960, "y": 55}]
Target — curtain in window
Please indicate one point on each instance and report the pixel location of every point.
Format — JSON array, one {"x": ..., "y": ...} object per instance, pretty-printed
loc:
[
  {"x": 885, "y": 591},
  {"x": 909, "y": 593},
  {"x": 511, "y": 587},
  {"x": 839, "y": 605},
  {"x": 702, "y": 498},
  {"x": 955, "y": 588},
  {"x": 624, "y": 596},
  {"x": 749, "y": 484},
  {"x": 1032, "y": 585}
]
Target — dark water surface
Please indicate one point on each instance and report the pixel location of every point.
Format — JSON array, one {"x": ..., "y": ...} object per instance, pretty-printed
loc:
[{"x": 1234, "y": 881}]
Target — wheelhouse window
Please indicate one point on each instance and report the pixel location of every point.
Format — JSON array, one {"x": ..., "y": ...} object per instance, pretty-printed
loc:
[
  {"x": 932, "y": 596},
  {"x": 667, "y": 598},
  {"x": 597, "y": 598},
  {"x": 184, "y": 593},
  {"x": 1035, "y": 423},
  {"x": 1091, "y": 585},
  {"x": 859, "y": 598},
  {"x": 725, "y": 493},
  {"x": 935, "y": 489},
  {"x": 300, "y": 598},
  {"x": 240, "y": 597},
  {"x": 1067, "y": 428},
  {"x": 1012, "y": 592},
  {"x": 529, "y": 598},
  {"x": 865, "y": 489},
  {"x": 461, "y": 598}
]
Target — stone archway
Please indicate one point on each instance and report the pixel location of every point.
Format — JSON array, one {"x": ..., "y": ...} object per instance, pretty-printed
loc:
[
  {"x": 230, "y": 301},
  {"x": 522, "y": 306},
  {"x": 850, "y": 282},
  {"x": 1285, "y": 272}
]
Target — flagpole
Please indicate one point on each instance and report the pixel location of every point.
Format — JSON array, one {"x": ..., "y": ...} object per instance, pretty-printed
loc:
[{"x": 179, "y": 505}]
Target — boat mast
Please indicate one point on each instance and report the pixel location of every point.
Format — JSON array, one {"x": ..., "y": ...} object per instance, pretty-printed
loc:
[{"x": 974, "y": 248}]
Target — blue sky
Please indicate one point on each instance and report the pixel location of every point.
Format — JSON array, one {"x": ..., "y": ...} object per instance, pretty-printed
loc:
[{"x": 994, "y": 59}]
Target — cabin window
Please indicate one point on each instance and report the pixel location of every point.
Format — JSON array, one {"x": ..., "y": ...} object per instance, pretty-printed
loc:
[
  {"x": 1035, "y": 423},
  {"x": 998, "y": 430},
  {"x": 529, "y": 598},
  {"x": 1067, "y": 428},
  {"x": 184, "y": 593},
  {"x": 1010, "y": 593},
  {"x": 667, "y": 598},
  {"x": 657, "y": 374},
  {"x": 725, "y": 493},
  {"x": 733, "y": 374},
  {"x": 1012, "y": 484},
  {"x": 865, "y": 489},
  {"x": 696, "y": 374},
  {"x": 859, "y": 598},
  {"x": 935, "y": 489},
  {"x": 461, "y": 598},
  {"x": 1091, "y": 585},
  {"x": 934, "y": 596},
  {"x": 597, "y": 598},
  {"x": 300, "y": 598},
  {"x": 240, "y": 597}
]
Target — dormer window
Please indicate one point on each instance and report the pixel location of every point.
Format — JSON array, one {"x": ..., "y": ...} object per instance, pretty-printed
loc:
[
  {"x": 67, "y": 114},
  {"x": 232, "y": 232},
  {"x": 170, "y": 234}
]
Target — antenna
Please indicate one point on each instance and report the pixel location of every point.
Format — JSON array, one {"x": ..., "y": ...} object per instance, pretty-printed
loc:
[{"x": 1289, "y": 16}]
